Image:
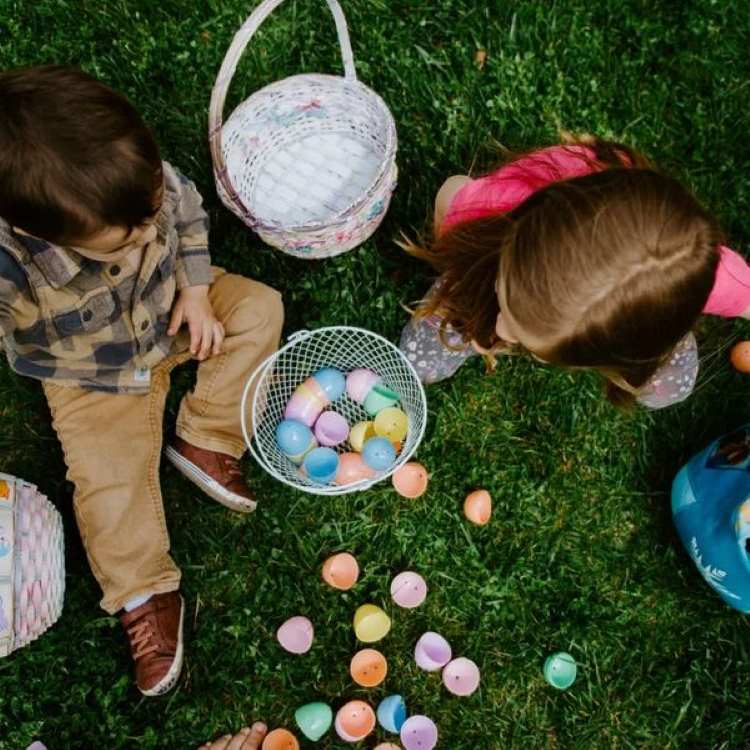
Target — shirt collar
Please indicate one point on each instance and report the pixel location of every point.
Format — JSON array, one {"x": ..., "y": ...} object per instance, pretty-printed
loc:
[{"x": 58, "y": 264}]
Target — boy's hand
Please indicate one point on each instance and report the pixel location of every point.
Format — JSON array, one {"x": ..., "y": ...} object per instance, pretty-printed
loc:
[
  {"x": 194, "y": 308},
  {"x": 247, "y": 739}
]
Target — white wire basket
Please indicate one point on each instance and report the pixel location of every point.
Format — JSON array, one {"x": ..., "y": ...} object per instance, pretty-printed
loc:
[
  {"x": 308, "y": 162},
  {"x": 32, "y": 564},
  {"x": 346, "y": 348}
]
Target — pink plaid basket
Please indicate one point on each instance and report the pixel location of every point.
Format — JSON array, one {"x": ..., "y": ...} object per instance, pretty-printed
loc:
[
  {"x": 308, "y": 162},
  {"x": 32, "y": 564}
]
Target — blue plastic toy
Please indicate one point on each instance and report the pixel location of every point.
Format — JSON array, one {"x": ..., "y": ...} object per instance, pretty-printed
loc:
[
  {"x": 392, "y": 713},
  {"x": 379, "y": 453},
  {"x": 711, "y": 509},
  {"x": 321, "y": 465},
  {"x": 332, "y": 381},
  {"x": 295, "y": 439}
]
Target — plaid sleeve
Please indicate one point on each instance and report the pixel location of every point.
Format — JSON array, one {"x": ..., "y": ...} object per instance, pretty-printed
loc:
[
  {"x": 191, "y": 221},
  {"x": 13, "y": 286}
]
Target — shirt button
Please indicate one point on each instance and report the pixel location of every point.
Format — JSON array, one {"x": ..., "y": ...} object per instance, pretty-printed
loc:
[
  {"x": 144, "y": 325},
  {"x": 115, "y": 270},
  {"x": 87, "y": 315}
]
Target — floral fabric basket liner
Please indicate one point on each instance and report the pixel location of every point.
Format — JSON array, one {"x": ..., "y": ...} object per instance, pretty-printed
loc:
[
  {"x": 32, "y": 567},
  {"x": 308, "y": 162}
]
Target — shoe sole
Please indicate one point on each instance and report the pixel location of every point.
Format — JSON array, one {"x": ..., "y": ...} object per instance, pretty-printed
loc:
[
  {"x": 208, "y": 484},
  {"x": 170, "y": 678}
]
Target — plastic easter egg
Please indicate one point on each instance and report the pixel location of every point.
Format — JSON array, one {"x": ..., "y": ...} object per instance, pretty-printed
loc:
[
  {"x": 352, "y": 468},
  {"x": 360, "y": 434},
  {"x": 391, "y": 423},
  {"x": 461, "y": 677},
  {"x": 392, "y": 713},
  {"x": 294, "y": 439},
  {"x": 478, "y": 507},
  {"x": 360, "y": 382},
  {"x": 332, "y": 381},
  {"x": 408, "y": 590},
  {"x": 432, "y": 652},
  {"x": 379, "y": 398},
  {"x": 280, "y": 739},
  {"x": 354, "y": 721},
  {"x": 379, "y": 453},
  {"x": 740, "y": 356},
  {"x": 368, "y": 668},
  {"x": 371, "y": 624},
  {"x": 321, "y": 465},
  {"x": 331, "y": 429},
  {"x": 560, "y": 670},
  {"x": 296, "y": 635},
  {"x": 341, "y": 571},
  {"x": 410, "y": 480},
  {"x": 314, "y": 720},
  {"x": 306, "y": 403},
  {"x": 419, "y": 733}
]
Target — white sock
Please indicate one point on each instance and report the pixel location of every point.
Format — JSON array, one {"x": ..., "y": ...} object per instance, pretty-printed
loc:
[{"x": 136, "y": 602}]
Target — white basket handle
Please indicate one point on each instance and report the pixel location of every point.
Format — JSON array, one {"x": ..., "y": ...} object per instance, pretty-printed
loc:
[{"x": 226, "y": 73}]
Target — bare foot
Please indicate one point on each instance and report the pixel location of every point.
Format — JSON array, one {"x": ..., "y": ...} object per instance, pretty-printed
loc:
[{"x": 246, "y": 739}]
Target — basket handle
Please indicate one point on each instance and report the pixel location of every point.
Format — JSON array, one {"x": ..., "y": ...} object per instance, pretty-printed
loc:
[{"x": 226, "y": 73}]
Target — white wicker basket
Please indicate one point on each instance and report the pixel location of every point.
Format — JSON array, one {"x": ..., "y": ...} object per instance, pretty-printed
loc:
[
  {"x": 342, "y": 347},
  {"x": 32, "y": 564},
  {"x": 308, "y": 162}
]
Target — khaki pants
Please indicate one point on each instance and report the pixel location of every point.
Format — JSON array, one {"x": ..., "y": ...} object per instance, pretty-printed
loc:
[{"x": 112, "y": 442}]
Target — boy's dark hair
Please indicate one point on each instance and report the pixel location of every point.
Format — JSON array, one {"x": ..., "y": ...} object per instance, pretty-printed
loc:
[{"x": 75, "y": 156}]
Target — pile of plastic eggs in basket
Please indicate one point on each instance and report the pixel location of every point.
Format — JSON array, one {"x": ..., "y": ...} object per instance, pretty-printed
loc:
[{"x": 321, "y": 441}]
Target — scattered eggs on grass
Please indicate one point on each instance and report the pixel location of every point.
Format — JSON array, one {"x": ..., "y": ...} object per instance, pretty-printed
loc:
[
  {"x": 478, "y": 507},
  {"x": 341, "y": 571},
  {"x": 410, "y": 480}
]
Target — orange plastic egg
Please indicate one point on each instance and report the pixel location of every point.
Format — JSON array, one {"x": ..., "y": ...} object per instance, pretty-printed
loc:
[
  {"x": 478, "y": 507},
  {"x": 410, "y": 480},
  {"x": 355, "y": 721},
  {"x": 368, "y": 668},
  {"x": 341, "y": 571},
  {"x": 352, "y": 468},
  {"x": 740, "y": 356},
  {"x": 280, "y": 739}
]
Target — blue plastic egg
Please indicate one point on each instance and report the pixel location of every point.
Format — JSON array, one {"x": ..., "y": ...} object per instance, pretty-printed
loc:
[
  {"x": 294, "y": 438},
  {"x": 321, "y": 465},
  {"x": 392, "y": 713},
  {"x": 332, "y": 381},
  {"x": 379, "y": 453}
]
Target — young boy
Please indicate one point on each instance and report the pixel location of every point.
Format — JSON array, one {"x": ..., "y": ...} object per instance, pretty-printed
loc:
[{"x": 105, "y": 286}]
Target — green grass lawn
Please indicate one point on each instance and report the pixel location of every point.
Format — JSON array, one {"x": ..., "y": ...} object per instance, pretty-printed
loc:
[{"x": 581, "y": 554}]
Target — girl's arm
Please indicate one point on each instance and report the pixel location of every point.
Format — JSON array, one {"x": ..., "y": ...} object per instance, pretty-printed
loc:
[{"x": 730, "y": 297}]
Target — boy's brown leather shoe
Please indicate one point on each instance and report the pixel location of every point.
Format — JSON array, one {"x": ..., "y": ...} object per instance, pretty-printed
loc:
[
  {"x": 217, "y": 474},
  {"x": 155, "y": 633}
]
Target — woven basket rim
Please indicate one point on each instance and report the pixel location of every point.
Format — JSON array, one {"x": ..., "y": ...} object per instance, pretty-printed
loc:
[{"x": 383, "y": 172}]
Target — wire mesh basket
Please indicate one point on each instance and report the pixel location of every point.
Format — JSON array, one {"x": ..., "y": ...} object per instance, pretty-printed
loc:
[
  {"x": 346, "y": 348},
  {"x": 32, "y": 564},
  {"x": 308, "y": 162}
]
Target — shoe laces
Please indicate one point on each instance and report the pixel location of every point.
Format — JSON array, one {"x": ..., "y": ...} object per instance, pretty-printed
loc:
[{"x": 142, "y": 640}]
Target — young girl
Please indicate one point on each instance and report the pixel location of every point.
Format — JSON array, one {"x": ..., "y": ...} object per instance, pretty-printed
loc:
[{"x": 583, "y": 255}]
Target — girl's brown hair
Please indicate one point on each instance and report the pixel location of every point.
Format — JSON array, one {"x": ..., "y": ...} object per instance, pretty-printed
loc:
[
  {"x": 75, "y": 156},
  {"x": 606, "y": 271}
]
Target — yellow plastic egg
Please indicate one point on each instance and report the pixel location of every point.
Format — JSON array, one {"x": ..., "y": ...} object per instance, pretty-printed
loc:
[
  {"x": 391, "y": 423},
  {"x": 360, "y": 434},
  {"x": 478, "y": 507},
  {"x": 341, "y": 571},
  {"x": 371, "y": 623}
]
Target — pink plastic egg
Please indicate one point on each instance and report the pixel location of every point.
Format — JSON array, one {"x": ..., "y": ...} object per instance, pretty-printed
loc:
[
  {"x": 306, "y": 403},
  {"x": 410, "y": 480},
  {"x": 387, "y": 746},
  {"x": 331, "y": 429},
  {"x": 296, "y": 635},
  {"x": 461, "y": 677},
  {"x": 408, "y": 590},
  {"x": 478, "y": 507},
  {"x": 352, "y": 468},
  {"x": 354, "y": 721},
  {"x": 360, "y": 382}
]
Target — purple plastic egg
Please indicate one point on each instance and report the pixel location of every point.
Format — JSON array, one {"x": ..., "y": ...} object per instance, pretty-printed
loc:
[
  {"x": 331, "y": 429},
  {"x": 408, "y": 590},
  {"x": 461, "y": 677},
  {"x": 419, "y": 733},
  {"x": 360, "y": 382},
  {"x": 432, "y": 652},
  {"x": 296, "y": 635}
]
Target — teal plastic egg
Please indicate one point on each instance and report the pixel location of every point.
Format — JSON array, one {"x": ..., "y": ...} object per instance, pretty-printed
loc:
[
  {"x": 380, "y": 397},
  {"x": 314, "y": 720}
]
